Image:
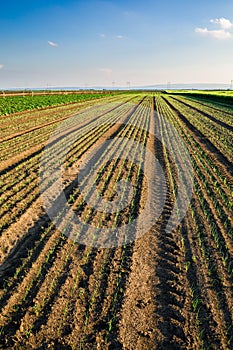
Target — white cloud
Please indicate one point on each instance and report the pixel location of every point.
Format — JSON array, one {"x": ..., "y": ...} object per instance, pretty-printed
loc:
[
  {"x": 102, "y": 35},
  {"x": 217, "y": 34},
  {"x": 223, "y": 33},
  {"x": 223, "y": 22},
  {"x": 51, "y": 43},
  {"x": 119, "y": 37},
  {"x": 1, "y": 66}
]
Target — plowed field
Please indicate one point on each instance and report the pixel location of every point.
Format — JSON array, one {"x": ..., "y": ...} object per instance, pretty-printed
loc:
[{"x": 146, "y": 266}]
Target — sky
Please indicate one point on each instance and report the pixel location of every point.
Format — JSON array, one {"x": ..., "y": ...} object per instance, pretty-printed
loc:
[{"x": 48, "y": 43}]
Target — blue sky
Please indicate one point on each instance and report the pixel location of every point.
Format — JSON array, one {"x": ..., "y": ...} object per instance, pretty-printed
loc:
[{"x": 95, "y": 43}]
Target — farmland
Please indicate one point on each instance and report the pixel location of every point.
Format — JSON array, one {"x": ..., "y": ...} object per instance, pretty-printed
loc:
[
  {"x": 27, "y": 101},
  {"x": 166, "y": 286}
]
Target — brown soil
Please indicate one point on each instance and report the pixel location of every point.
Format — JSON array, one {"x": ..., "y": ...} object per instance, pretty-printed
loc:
[{"x": 165, "y": 290}]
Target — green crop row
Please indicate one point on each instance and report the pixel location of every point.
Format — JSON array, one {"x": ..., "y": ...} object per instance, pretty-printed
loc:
[{"x": 9, "y": 104}]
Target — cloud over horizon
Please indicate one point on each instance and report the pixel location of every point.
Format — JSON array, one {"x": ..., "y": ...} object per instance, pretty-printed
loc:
[
  {"x": 217, "y": 34},
  {"x": 222, "y": 33},
  {"x": 223, "y": 22},
  {"x": 1, "y": 66}
]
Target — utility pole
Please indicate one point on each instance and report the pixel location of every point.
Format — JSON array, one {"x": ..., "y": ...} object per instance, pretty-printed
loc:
[
  {"x": 128, "y": 84},
  {"x": 113, "y": 85},
  {"x": 168, "y": 85},
  {"x": 231, "y": 84}
]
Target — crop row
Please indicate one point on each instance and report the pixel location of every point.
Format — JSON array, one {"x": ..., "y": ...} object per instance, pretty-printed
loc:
[
  {"x": 9, "y": 105},
  {"x": 218, "y": 114},
  {"x": 119, "y": 275},
  {"x": 21, "y": 143},
  {"x": 82, "y": 135},
  {"x": 84, "y": 138},
  {"x": 52, "y": 284},
  {"x": 216, "y": 238},
  {"x": 220, "y": 137},
  {"x": 26, "y": 121}
]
